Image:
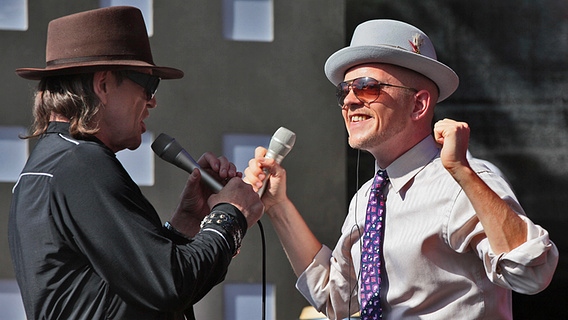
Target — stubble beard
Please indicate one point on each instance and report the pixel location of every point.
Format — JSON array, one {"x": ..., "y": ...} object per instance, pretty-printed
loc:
[{"x": 371, "y": 141}]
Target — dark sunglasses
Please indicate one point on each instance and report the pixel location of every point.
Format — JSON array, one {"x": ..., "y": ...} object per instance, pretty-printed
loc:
[
  {"x": 147, "y": 81},
  {"x": 366, "y": 89}
]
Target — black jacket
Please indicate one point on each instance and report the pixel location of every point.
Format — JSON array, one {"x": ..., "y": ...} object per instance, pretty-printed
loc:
[{"x": 86, "y": 244}]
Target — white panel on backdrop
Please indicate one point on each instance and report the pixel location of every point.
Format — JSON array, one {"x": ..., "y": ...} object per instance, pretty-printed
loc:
[
  {"x": 248, "y": 20},
  {"x": 140, "y": 162},
  {"x": 239, "y": 148},
  {"x": 13, "y": 153},
  {"x": 146, "y": 6},
  {"x": 14, "y": 15},
  {"x": 243, "y": 301},
  {"x": 11, "y": 305}
]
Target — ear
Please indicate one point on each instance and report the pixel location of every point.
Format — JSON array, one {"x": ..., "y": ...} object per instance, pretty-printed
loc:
[
  {"x": 422, "y": 105},
  {"x": 100, "y": 83}
]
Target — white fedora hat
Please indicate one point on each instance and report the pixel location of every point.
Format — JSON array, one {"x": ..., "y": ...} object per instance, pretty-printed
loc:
[{"x": 392, "y": 42}]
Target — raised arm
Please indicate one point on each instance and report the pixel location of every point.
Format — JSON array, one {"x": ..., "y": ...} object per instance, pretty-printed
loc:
[
  {"x": 298, "y": 241},
  {"x": 505, "y": 230}
]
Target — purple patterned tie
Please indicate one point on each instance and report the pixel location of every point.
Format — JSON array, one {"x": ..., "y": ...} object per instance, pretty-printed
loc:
[{"x": 371, "y": 250}]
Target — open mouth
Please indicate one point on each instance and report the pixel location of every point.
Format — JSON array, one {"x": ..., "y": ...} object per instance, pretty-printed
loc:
[{"x": 357, "y": 118}]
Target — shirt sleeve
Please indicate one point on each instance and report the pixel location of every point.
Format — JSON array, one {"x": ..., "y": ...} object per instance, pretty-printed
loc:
[
  {"x": 116, "y": 232},
  {"x": 527, "y": 269},
  {"x": 330, "y": 282},
  {"x": 329, "y": 286}
]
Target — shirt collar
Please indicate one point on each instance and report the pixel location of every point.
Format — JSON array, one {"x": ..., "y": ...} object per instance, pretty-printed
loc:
[
  {"x": 60, "y": 127},
  {"x": 407, "y": 166}
]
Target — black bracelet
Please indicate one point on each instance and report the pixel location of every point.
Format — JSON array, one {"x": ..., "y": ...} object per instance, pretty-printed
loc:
[{"x": 228, "y": 223}]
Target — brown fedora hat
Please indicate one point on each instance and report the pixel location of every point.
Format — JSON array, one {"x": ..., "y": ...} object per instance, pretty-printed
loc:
[{"x": 110, "y": 38}]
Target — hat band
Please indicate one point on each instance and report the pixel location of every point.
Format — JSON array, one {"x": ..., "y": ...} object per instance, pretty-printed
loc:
[{"x": 102, "y": 58}]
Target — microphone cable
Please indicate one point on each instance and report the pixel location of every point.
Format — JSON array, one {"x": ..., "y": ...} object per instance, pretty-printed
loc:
[
  {"x": 263, "y": 271},
  {"x": 356, "y": 226}
]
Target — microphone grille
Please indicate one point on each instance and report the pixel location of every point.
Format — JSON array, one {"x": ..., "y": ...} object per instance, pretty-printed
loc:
[
  {"x": 281, "y": 143},
  {"x": 166, "y": 147}
]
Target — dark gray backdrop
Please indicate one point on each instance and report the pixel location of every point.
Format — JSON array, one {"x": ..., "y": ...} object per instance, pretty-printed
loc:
[{"x": 512, "y": 59}]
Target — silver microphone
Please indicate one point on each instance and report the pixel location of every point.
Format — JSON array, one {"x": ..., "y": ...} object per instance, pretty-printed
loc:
[{"x": 280, "y": 145}]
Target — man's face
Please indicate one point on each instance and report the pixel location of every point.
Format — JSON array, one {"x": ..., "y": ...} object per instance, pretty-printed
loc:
[
  {"x": 121, "y": 121},
  {"x": 380, "y": 124}
]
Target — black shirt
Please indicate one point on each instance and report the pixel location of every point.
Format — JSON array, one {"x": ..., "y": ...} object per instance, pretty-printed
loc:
[{"x": 86, "y": 244}]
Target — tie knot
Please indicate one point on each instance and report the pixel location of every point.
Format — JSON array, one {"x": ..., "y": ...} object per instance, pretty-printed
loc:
[{"x": 381, "y": 179}]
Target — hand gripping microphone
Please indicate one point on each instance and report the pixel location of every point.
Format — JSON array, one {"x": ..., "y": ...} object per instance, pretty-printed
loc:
[
  {"x": 280, "y": 145},
  {"x": 170, "y": 150}
]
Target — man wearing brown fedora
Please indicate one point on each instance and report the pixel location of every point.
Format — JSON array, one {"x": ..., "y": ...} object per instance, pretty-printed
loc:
[
  {"x": 85, "y": 242},
  {"x": 434, "y": 235}
]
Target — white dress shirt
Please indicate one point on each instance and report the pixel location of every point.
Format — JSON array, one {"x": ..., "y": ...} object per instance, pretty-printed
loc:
[{"x": 438, "y": 263}]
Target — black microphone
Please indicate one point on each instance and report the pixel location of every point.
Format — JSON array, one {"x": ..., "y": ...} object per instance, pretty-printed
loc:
[
  {"x": 170, "y": 150},
  {"x": 280, "y": 145}
]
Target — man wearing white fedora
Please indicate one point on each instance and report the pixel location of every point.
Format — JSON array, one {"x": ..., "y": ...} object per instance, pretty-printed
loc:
[
  {"x": 85, "y": 242},
  {"x": 434, "y": 235}
]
